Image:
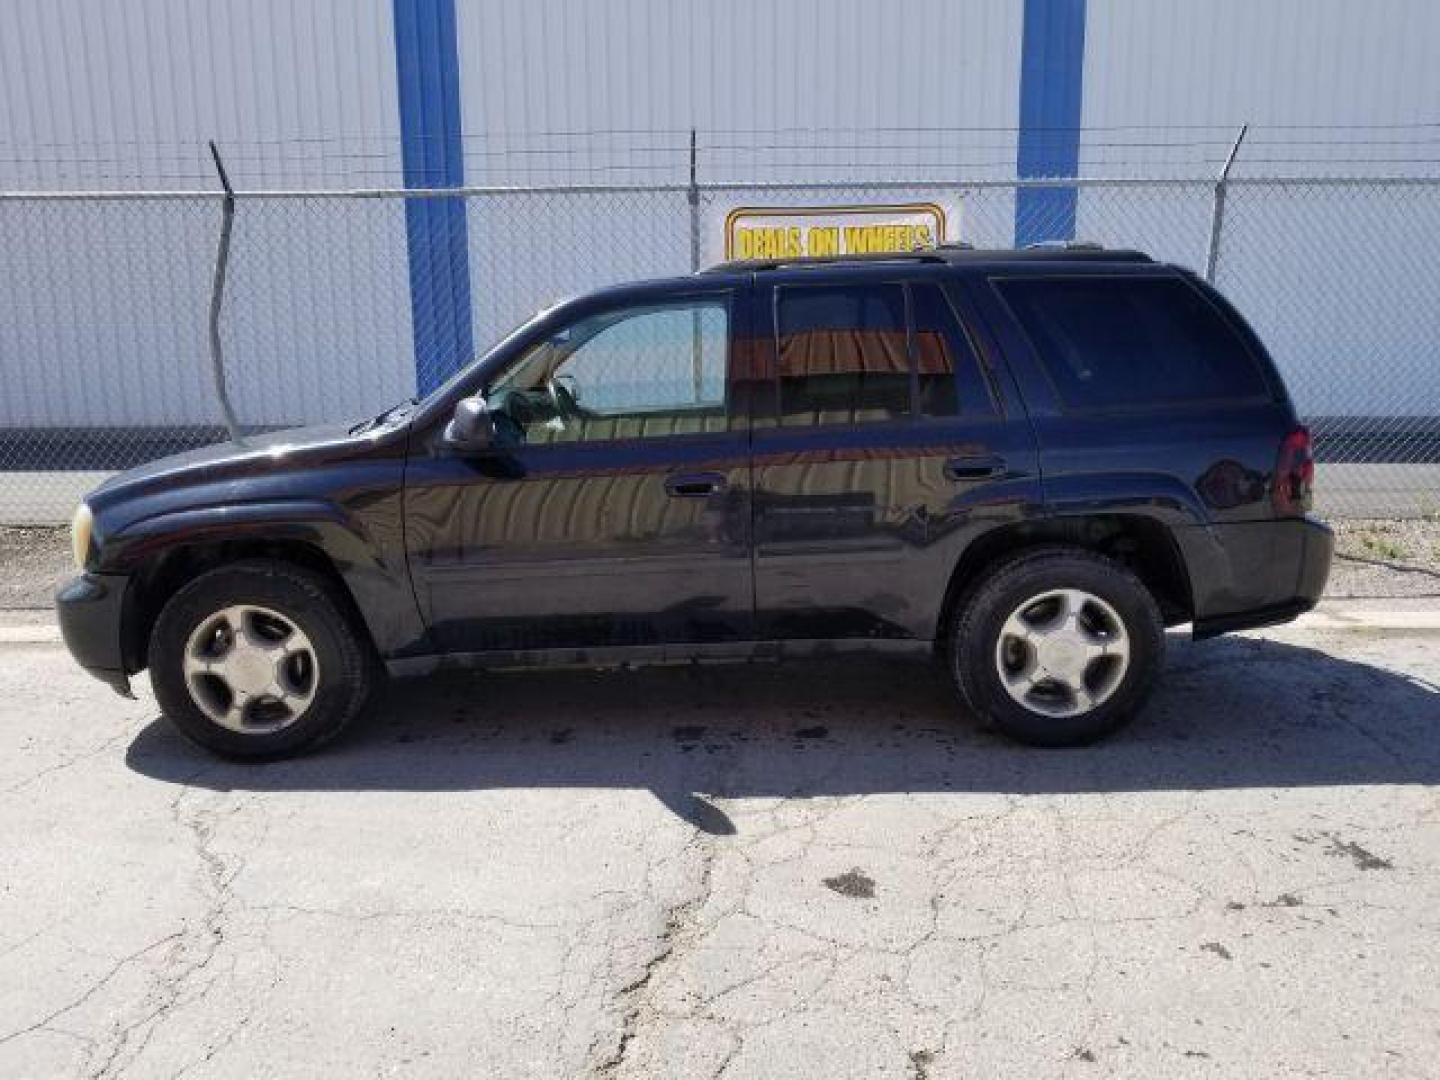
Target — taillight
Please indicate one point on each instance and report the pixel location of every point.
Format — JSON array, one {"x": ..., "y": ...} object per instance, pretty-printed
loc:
[{"x": 1294, "y": 474}]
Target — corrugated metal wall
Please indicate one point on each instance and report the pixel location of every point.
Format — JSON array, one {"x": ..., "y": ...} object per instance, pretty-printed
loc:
[
  {"x": 105, "y": 302},
  {"x": 1325, "y": 85},
  {"x": 558, "y": 91},
  {"x": 123, "y": 95},
  {"x": 550, "y": 91},
  {"x": 1177, "y": 62}
]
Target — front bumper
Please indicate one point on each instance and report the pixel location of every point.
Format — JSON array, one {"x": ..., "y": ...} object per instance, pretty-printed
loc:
[{"x": 91, "y": 609}]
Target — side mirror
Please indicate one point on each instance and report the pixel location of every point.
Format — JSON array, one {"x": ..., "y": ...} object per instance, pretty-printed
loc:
[{"x": 471, "y": 426}]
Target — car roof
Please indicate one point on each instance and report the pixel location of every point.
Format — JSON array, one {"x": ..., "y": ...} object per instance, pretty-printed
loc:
[
  {"x": 951, "y": 255},
  {"x": 1074, "y": 255}
]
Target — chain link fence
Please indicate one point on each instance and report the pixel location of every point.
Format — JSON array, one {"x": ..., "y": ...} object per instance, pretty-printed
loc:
[{"x": 104, "y": 301}]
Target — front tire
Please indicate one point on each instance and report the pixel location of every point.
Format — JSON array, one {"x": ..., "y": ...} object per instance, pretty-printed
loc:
[
  {"x": 1057, "y": 647},
  {"x": 259, "y": 660}
]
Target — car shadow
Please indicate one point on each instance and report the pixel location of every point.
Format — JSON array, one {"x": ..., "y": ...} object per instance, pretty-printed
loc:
[{"x": 1230, "y": 713}]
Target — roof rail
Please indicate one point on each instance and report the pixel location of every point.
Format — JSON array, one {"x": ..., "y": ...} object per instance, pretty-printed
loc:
[
  {"x": 1065, "y": 245},
  {"x": 953, "y": 254},
  {"x": 927, "y": 255}
]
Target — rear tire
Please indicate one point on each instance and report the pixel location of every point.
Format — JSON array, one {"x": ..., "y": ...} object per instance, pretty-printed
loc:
[
  {"x": 259, "y": 660},
  {"x": 1057, "y": 647}
]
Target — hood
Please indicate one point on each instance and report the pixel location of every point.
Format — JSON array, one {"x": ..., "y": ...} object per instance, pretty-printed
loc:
[{"x": 268, "y": 454}]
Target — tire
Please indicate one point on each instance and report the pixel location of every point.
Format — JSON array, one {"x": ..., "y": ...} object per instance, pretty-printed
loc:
[
  {"x": 277, "y": 614},
  {"x": 1007, "y": 636}
]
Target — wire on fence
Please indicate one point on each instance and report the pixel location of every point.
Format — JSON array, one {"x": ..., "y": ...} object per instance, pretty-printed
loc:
[{"x": 104, "y": 359}]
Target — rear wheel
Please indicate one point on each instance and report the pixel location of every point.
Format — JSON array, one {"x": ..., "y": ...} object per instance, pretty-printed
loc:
[
  {"x": 259, "y": 659},
  {"x": 1057, "y": 647}
]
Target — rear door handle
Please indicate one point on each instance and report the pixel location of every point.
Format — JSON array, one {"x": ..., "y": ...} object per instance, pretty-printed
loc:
[
  {"x": 694, "y": 485},
  {"x": 974, "y": 468}
]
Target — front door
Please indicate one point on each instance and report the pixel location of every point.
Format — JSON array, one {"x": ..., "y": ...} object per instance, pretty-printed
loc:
[{"x": 614, "y": 508}]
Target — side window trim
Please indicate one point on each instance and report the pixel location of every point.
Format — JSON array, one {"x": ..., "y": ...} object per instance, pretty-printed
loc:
[
  {"x": 974, "y": 357},
  {"x": 912, "y": 354}
]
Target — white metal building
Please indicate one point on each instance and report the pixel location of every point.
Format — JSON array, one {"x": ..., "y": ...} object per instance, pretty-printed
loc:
[
  {"x": 424, "y": 93},
  {"x": 125, "y": 95}
]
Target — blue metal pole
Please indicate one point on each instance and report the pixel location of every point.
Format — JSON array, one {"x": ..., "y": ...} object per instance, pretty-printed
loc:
[
  {"x": 1052, "y": 73},
  {"x": 428, "y": 69}
]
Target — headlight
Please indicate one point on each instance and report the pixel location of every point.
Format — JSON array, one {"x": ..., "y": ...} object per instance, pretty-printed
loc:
[{"x": 80, "y": 529}]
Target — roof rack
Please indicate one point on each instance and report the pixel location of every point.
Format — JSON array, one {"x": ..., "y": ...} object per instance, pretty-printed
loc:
[
  {"x": 928, "y": 255},
  {"x": 950, "y": 253},
  {"x": 1065, "y": 245}
]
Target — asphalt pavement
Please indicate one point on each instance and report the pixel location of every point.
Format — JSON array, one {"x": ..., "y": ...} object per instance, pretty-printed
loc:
[{"x": 819, "y": 870}]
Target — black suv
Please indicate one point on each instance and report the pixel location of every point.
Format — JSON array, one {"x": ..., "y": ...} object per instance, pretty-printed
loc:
[{"x": 1026, "y": 463}]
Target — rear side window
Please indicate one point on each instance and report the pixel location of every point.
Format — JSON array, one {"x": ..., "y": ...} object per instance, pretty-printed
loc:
[
  {"x": 843, "y": 354},
  {"x": 1118, "y": 342}
]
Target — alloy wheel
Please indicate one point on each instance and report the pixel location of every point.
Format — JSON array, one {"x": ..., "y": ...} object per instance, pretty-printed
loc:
[
  {"x": 251, "y": 669},
  {"x": 1062, "y": 653}
]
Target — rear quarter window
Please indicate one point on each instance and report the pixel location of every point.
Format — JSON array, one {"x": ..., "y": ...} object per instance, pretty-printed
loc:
[{"x": 1126, "y": 342}]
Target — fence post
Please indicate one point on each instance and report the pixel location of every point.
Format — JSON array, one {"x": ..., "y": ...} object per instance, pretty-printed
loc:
[
  {"x": 1217, "y": 213},
  {"x": 692, "y": 194},
  {"x": 217, "y": 298}
]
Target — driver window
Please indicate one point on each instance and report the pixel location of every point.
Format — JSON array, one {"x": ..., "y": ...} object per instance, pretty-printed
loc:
[{"x": 636, "y": 373}]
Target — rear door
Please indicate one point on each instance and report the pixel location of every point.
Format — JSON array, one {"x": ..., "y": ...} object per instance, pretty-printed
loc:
[{"x": 884, "y": 440}]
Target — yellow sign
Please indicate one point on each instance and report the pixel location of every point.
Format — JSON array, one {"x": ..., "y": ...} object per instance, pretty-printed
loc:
[{"x": 753, "y": 232}]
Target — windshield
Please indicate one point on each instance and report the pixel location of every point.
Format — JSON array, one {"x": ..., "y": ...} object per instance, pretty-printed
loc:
[
  {"x": 540, "y": 363},
  {"x": 533, "y": 369},
  {"x": 465, "y": 370}
]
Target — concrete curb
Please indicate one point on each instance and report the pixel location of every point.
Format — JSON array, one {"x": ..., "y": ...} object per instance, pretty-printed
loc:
[
  {"x": 1400, "y": 621},
  {"x": 27, "y": 633}
]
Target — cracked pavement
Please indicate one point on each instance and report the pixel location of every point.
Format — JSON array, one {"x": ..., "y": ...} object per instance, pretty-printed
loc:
[{"x": 813, "y": 870}]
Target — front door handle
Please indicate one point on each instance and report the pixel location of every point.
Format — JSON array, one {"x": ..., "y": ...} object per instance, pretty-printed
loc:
[
  {"x": 694, "y": 485},
  {"x": 985, "y": 467}
]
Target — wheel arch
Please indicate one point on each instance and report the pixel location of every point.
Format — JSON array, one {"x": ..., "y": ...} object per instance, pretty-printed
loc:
[
  {"x": 1142, "y": 544},
  {"x": 161, "y": 554}
]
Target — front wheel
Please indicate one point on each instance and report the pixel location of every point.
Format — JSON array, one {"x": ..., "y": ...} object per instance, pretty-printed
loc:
[
  {"x": 259, "y": 659},
  {"x": 1057, "y": 647}
]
